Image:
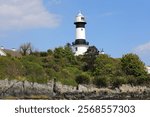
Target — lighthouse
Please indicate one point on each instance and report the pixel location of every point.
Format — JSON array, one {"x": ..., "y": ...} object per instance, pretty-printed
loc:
[{"x": 80, "y": 45}]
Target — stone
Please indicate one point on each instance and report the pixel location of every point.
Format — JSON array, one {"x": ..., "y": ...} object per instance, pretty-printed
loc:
[{"x": 56, "y": 90}]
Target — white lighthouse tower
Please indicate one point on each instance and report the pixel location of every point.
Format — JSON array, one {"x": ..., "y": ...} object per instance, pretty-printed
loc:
[{"x": 80, "y": 44}]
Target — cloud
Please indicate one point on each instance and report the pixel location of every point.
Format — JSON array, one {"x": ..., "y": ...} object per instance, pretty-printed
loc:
[
  {"x": 143, "y": 49},
  {"x": 144, "y": 52},
  {"x": 57, "y": 2},
  {"x": 22, "y": 14}
]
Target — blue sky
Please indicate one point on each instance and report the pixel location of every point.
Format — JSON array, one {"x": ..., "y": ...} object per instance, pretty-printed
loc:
[{"x": 117, "y": 26}]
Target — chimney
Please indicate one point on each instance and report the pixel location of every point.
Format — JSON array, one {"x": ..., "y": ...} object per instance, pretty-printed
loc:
[
  {"x": 2, "y": 47},
  {"x": 13, "y": 49}
]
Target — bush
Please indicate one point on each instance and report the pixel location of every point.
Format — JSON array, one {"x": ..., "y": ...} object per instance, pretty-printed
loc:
[
  {"x": 10, "y": 68},
  {"x": 131, "y": 80},
  {"x": 34, "y": 72},
  {"x": 69, "y": 82},
  {"x": 31, "y": 58},
  {"x": 141, "y": 80},
  {"x": 106, "y": 65},
  {"x": 132, "y": 65},
  {"x": 43, "y": 54},
  {"x": 118, "y": 81},
  {"x": 83, "y": 79},
  {"x": 101, "y": 81}
]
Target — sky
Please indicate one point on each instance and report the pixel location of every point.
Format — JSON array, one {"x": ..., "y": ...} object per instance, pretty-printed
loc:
[{"x": 117, "y": 26}]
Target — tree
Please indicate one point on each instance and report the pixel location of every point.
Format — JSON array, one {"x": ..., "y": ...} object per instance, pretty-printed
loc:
[
  {"x": 50, "y": 52},
  {"x": 132, "y": 65},
  {"x": 26, "y": 49},
  {"x": 64, "y": 55},
  {"x": 105, "y": 65},
  {"x": 68, "y": 45},
  {"x": 59, "y": 53},
  {"x": 69, "y": 54},
  {"x": 89, "y": 57},
  {"x": 43, "y": 54}
]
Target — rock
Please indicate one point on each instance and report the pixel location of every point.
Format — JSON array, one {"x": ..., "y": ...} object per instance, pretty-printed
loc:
[
  {"x": 24, "y": 88},
  {"x": 56, "y": 90},
  {"x": 129, "y": 88},
  {"x": 64, "y": 88}
]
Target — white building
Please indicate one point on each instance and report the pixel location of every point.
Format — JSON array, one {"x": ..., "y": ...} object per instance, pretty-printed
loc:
[
  {"x": 2, "y": 53},
  {"x": 80, "y": 45},
  {"x": 148, "y": 69},
  {"x": 11, "y": 52}
]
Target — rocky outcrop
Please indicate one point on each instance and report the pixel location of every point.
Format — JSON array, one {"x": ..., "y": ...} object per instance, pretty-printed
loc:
[
  {"x": 24, "y": 88},
  {"x": 55, "y": 90},
  {"x": 129, "y": 88},
  {"x": 60, "y": 88}
]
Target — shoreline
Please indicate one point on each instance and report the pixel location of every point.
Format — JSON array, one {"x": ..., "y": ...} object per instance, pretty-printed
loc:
[{"x": 14, "y": 89}]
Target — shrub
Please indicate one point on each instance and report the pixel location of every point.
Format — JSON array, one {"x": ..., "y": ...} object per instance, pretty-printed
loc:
[
  {"x": 34, "y": 72},
  {"x": 43, "y": 54},
  {"x": 31, "y": 58},
  {"x": 101, "y": 81},
  {"x": 131, "y": 80},
  {"x": 132, "y": 65},
  {"x": 83, "y": 79},
  {"x": 118, "y": 81},
  {"x": 10, "y": 68},
  {"x": 141, "y": 80}
]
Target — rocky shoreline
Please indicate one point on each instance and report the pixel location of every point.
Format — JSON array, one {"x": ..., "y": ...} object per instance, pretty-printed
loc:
[{"x": 14, "y": 89}]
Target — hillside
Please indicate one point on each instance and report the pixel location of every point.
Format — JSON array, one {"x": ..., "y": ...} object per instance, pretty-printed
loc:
[{"x": 61, "y": 65}]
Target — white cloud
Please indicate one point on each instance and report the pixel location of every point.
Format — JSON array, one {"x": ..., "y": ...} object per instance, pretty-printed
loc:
[
  {"x": 144, "y": 52},
  {"x": 57, "y": 2},
  {"x": 143, "y": 49},
  {"x": 22, "y": 14}
]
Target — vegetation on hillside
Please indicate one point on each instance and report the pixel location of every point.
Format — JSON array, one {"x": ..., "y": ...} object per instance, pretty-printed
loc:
[{"x": 92, "y": 68}]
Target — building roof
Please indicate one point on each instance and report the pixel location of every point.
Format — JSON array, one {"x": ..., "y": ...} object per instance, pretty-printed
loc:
[
  {"x": 12, "y": 53},
  {"x": 80, "y": 14},
  {"x": 2, "y": 53}
]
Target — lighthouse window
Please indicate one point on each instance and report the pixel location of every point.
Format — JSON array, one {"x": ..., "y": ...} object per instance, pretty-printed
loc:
[{"x": 82, "y": 18}]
